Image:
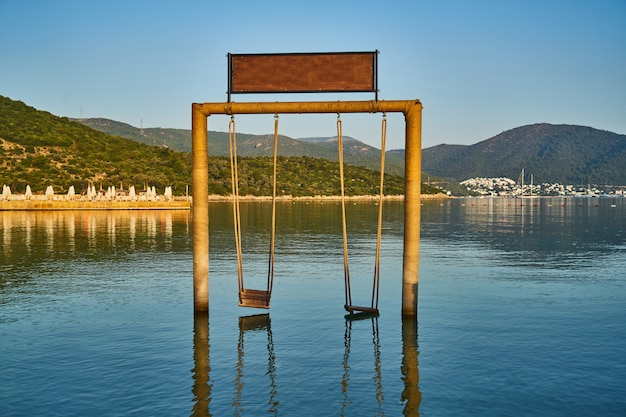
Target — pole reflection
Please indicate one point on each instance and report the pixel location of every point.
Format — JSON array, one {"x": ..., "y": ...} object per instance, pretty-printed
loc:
[
  {"x": 411, "y": 395},
  {"x": 202, "y": 366},
  {"x": 255, "y": 323}
]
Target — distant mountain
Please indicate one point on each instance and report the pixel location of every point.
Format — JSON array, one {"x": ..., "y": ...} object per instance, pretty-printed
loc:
[
  {"x": 355, "y": 151},
  {"x": 567, "y": 154}
]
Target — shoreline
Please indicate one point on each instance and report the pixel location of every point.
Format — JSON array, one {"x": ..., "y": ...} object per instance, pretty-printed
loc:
[
  {"x": 184, "y": 203},
  {"x": 21, "y": 204},
  {"x": 229, "y": 198},
  {"x": 34, "y": 205}
]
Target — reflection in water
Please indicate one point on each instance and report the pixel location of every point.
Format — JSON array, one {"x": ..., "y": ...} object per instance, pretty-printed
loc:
[
  {"x": 542, "y": 232},
  {"x": 202, "y": 366},
  {"x": 30, "y": 237},
  {"x": 255, "y": 323},
  {"x": 378, "y": 379},
  {"x": 84, "y": 316},
  {"x": 411, "y": 395}
]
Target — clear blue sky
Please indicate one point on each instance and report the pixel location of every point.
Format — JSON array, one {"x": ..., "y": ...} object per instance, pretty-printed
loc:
[{"x": 479, "y": 67}]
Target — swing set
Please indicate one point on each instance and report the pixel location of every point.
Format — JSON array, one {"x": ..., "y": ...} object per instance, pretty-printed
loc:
[
  {"x": 249, "y": 297},
  {"x": 308, "y": 72},
  {"x": 261, "y": 298}
]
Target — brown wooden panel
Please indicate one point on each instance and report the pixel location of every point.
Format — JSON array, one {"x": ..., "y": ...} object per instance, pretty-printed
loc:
[{"x": 314, "y": 72}]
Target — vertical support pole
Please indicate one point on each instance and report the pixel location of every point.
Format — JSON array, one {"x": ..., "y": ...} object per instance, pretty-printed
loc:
[
  {"x": 412, "y": 194},
  {"x": 200, "y": 193}
]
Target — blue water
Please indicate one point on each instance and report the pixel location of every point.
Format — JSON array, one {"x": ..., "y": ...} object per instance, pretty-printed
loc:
[{"x": 521, "y": 313}]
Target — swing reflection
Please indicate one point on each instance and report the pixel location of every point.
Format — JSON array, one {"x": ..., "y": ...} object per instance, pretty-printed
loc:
[
  {"x": 378, "y": 380},
  {"x": 411, "y": 395},
  {"x": 255, "y": 323},
  {"x": 202, "y": 388}
]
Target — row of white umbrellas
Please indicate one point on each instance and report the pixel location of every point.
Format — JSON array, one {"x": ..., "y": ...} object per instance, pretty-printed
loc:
[
  {"x": 92, "y": 193},
  {"x": 6, "y": 192}
]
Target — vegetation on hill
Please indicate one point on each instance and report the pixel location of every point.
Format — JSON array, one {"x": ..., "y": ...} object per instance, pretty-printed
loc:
[
  {"x": 552, "y": 153},
  {"x": 298, "y": 176},
  {"x": 40, "y": 149},
  {"x": 355, "y": 151}
]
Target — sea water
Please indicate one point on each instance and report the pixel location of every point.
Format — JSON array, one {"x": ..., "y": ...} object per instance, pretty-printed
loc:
[{"x": 521, "y": 312}]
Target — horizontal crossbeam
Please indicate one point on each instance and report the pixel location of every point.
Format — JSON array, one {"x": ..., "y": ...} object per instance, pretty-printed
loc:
[{"x": 370, "y": 106}]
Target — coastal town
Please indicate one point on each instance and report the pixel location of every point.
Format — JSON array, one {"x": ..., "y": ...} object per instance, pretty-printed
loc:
[{"x": 506, "y": 187}]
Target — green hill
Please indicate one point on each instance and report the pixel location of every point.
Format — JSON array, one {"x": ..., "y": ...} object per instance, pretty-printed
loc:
[
  {"x": 566, "y": 154},
  {"x": 40, "y": 149},
  {"x": 355, "y": 152}
]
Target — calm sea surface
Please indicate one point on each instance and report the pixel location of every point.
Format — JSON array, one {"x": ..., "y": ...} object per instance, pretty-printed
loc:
[{"x": 522, "y": 312}]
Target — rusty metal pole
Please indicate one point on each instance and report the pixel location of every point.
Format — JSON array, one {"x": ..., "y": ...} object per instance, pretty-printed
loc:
[
  {"x": 412, "y": 194},
  {"x": 200, "y": 194}
]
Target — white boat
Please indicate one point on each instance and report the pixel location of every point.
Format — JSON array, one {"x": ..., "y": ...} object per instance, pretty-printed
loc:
[{"x": 520, "y": 181}]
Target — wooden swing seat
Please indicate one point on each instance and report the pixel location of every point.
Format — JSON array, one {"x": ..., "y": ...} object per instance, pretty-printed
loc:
[{"x": 254, "y": 298}]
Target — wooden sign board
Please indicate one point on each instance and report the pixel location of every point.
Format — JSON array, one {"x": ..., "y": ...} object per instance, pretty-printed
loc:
[{"x": 303, "y": 72}]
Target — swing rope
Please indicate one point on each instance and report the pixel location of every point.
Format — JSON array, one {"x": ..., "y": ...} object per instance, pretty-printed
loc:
[
  {"x": 234, "y": 177},
  {"x": 376, "y": 284},
  {"x": 251, "y": 298},
  {"x": 383, "y": 145},
  {"x": 270, "y": 267},
  {"x": 346, "y": 267}
]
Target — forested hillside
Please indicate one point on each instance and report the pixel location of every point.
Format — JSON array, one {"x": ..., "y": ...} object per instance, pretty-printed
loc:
[
  {"x": 355, "y": 151},
  {"x": 566, "y": 154},
  {"x": 40, "y": 149}
]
